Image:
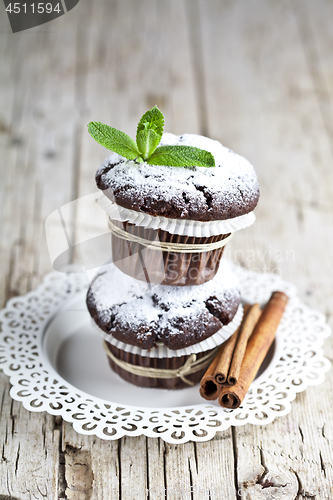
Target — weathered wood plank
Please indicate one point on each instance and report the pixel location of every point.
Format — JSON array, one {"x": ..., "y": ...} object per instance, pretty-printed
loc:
[
  {"x": 30, "y": 452},
  {"x": 156, "y": 461},
  {"x": 214, "y": 473},
  {"x": 263, "y": 101},
  {"x": 36, "y": 179},
  {"x": 256, "y": 76},
  {"x": 314, "y": 29},
  {"x": 133, "y": 464},
  {"x": 86, "y": 457}
]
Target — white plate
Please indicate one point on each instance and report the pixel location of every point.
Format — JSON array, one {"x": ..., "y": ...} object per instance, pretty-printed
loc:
[
  {"x": 56, "y": 364},
  {"x": 75, "y": 352}
]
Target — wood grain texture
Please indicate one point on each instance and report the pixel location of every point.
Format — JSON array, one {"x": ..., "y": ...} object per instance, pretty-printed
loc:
[
  {"x": 258, "y": 76},
  {"x": 293, "y": 165},
  {"x": 33, "y": 183}
]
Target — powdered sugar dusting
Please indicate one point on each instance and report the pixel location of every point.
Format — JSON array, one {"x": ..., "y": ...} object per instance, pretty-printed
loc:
[
  {"x": 231, "y": 185},
  {"x": 112, "y": 288}
]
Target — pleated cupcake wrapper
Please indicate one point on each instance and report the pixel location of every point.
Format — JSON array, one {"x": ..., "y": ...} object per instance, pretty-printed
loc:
[
  {"x": 198, "y": 229},
  {"x": 174, "y": 363},
  {"x": 161, "y": 351},
  {"x": 165, "y": 267}
]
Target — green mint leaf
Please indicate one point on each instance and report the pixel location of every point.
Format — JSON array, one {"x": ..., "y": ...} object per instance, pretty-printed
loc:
[
  {"x": 149, "y": 131},
  {"x": 114, "y": 139},
  {"x": 181, "y": 156},
  {"x": 147, "y": 141}
]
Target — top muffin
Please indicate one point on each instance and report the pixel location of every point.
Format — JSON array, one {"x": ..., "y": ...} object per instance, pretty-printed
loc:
[{"x": 197, "y": 193}]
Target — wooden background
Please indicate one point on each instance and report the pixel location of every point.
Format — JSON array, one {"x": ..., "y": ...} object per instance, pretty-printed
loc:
[{"x": 256, "y": 75}]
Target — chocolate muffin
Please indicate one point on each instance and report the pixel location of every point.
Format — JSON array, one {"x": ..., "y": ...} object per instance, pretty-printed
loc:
[
  {"x": 143, "y": 315},
  {"x": 176, "y": 206},
  {"x": 165, "y": 267},
  {"x": 228, "y": 190}
]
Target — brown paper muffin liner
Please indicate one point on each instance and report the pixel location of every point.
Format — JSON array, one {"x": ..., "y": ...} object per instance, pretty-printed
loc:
[
  {"x": 172, "y": 363},
  {"x": 165, "y": 267}
]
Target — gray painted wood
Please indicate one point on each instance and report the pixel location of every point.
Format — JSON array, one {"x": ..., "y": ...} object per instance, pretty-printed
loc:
[{"x": 256, "y": 75}]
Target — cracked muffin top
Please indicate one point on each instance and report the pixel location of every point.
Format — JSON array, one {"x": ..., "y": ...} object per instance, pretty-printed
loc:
[
  {"x": 140, "y": 314},
  {"x": 228, "y": 190}
]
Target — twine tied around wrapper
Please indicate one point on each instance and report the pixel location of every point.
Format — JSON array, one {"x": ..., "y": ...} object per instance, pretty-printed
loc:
[
  {"x": 191, "y": 365},
  {"x": 168, "y": 246}
]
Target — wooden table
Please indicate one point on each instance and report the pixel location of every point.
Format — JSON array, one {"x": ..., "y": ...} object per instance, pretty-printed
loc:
[{"x": 256, "y": 75}]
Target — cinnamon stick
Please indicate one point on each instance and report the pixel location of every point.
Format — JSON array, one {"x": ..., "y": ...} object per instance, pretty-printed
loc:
[
  {"x": 222, "y": 367},
  {"x": 210, "y": 387},
  {"x": 248, "y": 324},
  {"x": 257, "y": 348}
]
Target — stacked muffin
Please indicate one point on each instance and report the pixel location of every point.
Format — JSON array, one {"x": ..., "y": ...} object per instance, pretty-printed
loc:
[{"x": 167, "y": 301}]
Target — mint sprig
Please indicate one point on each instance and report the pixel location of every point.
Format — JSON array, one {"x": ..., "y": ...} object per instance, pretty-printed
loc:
[
  {"x": 114, "y": 139},
  {"x": 148, "y": 136},
  {"x": 149, "y": 132},
  {"x": 181, "y": 156}
]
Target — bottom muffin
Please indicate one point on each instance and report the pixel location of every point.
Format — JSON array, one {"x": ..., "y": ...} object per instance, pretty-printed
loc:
[
  {"x": 145, "y": 315},
  {"x": 175, "y": 372}
]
